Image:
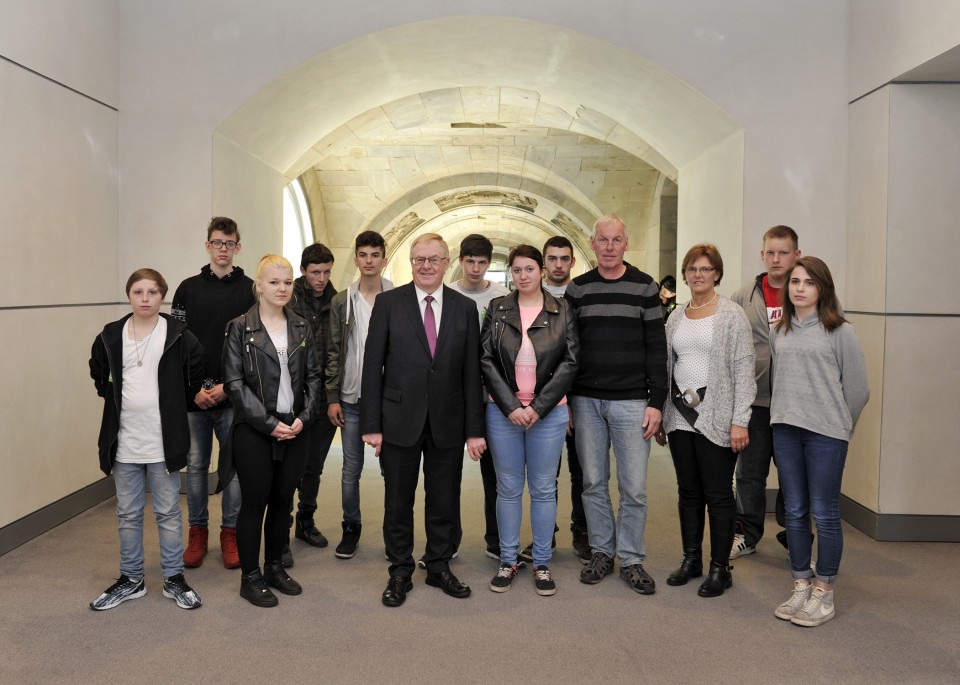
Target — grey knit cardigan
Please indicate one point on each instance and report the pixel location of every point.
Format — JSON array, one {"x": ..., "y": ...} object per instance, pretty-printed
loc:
[{"x": 731, "y": 379}]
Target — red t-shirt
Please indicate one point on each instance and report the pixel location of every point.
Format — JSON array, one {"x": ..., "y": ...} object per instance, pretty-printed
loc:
[{"x": 771, "y": 298}]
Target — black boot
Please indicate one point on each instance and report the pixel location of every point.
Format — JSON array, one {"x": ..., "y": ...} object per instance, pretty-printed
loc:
[
  {"x": 255, "y": 591},
  {"x": 348, "y": 544},
  {"x": 691, "y": 535},
  {"x": 276, "y": 577},
  {"x": 718, "y": 580}
]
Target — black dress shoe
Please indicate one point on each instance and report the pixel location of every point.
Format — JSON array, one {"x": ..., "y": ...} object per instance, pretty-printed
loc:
[
  {"x": 690, "y": 567},
  {"x": 276, "y": 577},
  {"x": 305, "y": 530},
  {"x": 718, "y": 580},
  {"x": 396, "y": 592},
  {"x": 449, "y": 583}
]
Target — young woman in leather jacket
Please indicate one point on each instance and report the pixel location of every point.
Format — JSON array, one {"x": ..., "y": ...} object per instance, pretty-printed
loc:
[
  {"x": 273, "y": 379},
  {"x": 529, "y": 361}
]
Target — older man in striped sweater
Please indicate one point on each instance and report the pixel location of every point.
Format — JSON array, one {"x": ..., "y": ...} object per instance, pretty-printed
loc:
[{"x": 617, "y": 400}]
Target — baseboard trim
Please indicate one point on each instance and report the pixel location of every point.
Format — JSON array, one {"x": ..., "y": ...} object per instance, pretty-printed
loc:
[{"x": 39, "y": 522}]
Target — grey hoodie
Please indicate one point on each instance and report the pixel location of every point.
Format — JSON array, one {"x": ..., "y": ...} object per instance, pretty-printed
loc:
[{"x": 821, "y": 378}]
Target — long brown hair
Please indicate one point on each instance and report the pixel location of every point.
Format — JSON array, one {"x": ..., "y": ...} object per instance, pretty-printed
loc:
[{"x": 828, "y": 307}]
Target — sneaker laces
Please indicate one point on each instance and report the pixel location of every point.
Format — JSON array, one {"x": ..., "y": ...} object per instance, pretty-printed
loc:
[
  {"x": 597, "y": 561},
  {"x": 811, "y": 606},
  {"x": 799, "y": 597},
  {"x": 121, "y": 582},
  {"x": 507, "y": 572},
  {"x": 543, "y": 573}
]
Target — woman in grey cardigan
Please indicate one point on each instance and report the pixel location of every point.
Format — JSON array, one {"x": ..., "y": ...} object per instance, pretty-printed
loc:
[
  {"x": 710, "y": 370},
  {"x": 820, "y": 390}
]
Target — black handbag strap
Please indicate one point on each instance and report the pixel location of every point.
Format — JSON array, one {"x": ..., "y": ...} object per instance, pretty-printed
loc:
[{"x": 689, "y": 413}]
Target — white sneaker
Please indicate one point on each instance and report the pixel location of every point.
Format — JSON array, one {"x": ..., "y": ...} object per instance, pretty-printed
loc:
[
  {"x": 740, "y": 547},
  {"x": 801, "y": 593},
  {"x": 818, "y": 609}
]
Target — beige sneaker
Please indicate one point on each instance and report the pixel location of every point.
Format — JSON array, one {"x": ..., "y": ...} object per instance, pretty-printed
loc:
[
  {"x": 818, "y": 609},
  {"x": 801, "y": 593}
]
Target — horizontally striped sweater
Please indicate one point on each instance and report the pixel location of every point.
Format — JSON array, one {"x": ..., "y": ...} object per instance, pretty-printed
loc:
[{"x": 623, "y": 349}]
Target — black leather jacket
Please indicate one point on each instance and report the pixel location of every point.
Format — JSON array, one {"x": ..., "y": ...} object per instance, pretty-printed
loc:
[
  {"x": 555, "y": 342},
  {"x": 251, "y": 371}
]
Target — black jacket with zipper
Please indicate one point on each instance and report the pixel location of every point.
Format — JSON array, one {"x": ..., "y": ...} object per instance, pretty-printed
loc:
[
  {"x": 179, "y": 375},
  {"x": 556, "y": 344},
  {"x": 251, "y": 377}
]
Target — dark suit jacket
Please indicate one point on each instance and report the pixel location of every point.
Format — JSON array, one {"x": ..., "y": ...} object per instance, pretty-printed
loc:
[{"x": 403, "y": 387}]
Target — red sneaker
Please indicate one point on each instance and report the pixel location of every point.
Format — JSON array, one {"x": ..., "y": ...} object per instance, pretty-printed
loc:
[
  {"x": 228, "y": 547},
  {"x": 196, "y": 547}
]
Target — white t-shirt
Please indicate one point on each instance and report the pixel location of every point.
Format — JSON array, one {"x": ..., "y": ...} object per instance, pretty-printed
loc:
[
  {"x": 285, "y": 390},
  {"x": 140, "y": 440},
  {"x": 481, "y": 297},
  {"x": 353, "y": 365}
]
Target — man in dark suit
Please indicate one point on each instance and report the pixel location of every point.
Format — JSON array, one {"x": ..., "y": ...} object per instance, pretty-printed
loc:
[{"x": 421, "y": 395}]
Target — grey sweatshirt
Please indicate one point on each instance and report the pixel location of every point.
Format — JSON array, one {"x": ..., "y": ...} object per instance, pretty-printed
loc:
[{"x": 820, "y": 378}]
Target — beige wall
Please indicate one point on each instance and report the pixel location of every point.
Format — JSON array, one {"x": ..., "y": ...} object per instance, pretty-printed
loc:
[{"x": 58, "y": 234}]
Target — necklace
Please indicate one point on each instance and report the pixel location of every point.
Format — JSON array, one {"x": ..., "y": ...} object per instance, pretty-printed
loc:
[
  {"x": 136, "y": 342},
  {"x": 275, "y": 331},
  {"x": 706, "y": 304}
]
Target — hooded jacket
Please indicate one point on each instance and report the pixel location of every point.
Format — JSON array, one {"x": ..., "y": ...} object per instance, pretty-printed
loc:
[
  {"x": 179, "y": 375},
  {"x": 318, "y": 319}
]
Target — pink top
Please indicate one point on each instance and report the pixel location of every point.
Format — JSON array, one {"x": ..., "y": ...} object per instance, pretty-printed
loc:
[{"x": 525, "y": 367}]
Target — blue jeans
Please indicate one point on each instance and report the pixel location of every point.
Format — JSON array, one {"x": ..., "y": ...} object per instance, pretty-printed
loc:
[
  {"x": 531, "y": 455},
  {"x": 203, "y": 424},
  {"x": 811, "y": 469},
  {"x": 600, "y": 424},
  {"x": 352, "y": 443},
  {"x": 131, "y": 483}
]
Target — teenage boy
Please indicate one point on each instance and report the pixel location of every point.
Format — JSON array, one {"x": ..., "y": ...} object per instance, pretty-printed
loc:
[
  {"x": 558, "y": 261},
  {"x": 312, "y": 294},
  {"x": 205, "y": 303},
  {"x": 147, "y": 368},
  {"x": 476, "y": 252},
  {"x": 761, "y": 300},
  {"x": 350, "y": 312}
]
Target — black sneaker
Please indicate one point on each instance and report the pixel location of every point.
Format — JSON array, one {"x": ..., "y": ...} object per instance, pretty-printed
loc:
[
  {"x": 286, "y": 556},
  {"x": 505, "y": 575},
  {"x": 581, "y": 546},
  {"x": 125, "y": 588},
  {"x": 543, "y": 581},
  {"x": 600, "y": 565},
  {"x": 422, "y": 561},
  {"x": 493, "y": 553},
  {"x": 348, "y": 544},
  {"x": 177, "y": 589},
  {"x": 638, "y": 579}
]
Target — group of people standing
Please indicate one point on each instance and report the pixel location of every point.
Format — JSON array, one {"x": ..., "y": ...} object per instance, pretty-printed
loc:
[{"x": 273, "y": 366}]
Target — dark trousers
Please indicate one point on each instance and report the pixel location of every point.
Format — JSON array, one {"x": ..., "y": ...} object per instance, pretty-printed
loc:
[
  {"x": 320, "y": 436},
  {"x": 266, "y": 487},
  {"x": 705, "y": 477},
  {"x": 578, "y": 519},
  {"x": 442, "y": 470},
  {"x": 753, "y": 467}
]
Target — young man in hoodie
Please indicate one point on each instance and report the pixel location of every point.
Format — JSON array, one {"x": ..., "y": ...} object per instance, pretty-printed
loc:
[
  {"x": 205, "y": 303},
  {"x": 762, "y": 301},
  {"x": 312, "y": 295},
  {"x": 349, "y": 323}
]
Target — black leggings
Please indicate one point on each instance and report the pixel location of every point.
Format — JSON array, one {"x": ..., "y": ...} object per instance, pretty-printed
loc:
[{"x": 266, "y": 485}]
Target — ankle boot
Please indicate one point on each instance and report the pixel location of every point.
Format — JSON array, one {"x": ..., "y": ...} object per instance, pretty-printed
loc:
[
  {"x": 718, "y": 580},
  {"x": 275, "y": 575},
  {"x": 691, "y": 535},
  {"x": 348, "y": 544},
  {"x": 255, "y": 591}
]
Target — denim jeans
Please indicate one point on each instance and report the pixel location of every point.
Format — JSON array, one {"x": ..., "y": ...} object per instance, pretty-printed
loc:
[
  {"x": 600, "y": 424},
  {"x": 753, "y": 467},
  {"x": 131, "y": 483},
  {"x": 526, "y": 455},
  {"x": 811, "y": 469},
  {"x": 352, "y": 443},
  {"x": 203, "y": 425}
]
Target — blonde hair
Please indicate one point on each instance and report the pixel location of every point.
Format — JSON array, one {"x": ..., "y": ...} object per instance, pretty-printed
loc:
[
  {"x": 268, "y": 261},
  {"x": 430, "y": 237}
]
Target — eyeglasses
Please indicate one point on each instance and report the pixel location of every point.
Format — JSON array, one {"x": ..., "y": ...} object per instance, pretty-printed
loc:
[
  {"x": 432, "y": 261},
  {"x": 693, "y": 270},
  {"x": 220, "y": 244}
]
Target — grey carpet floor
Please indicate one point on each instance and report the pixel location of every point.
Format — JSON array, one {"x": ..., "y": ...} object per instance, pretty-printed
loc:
[{"x": 898, "y": 617}]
